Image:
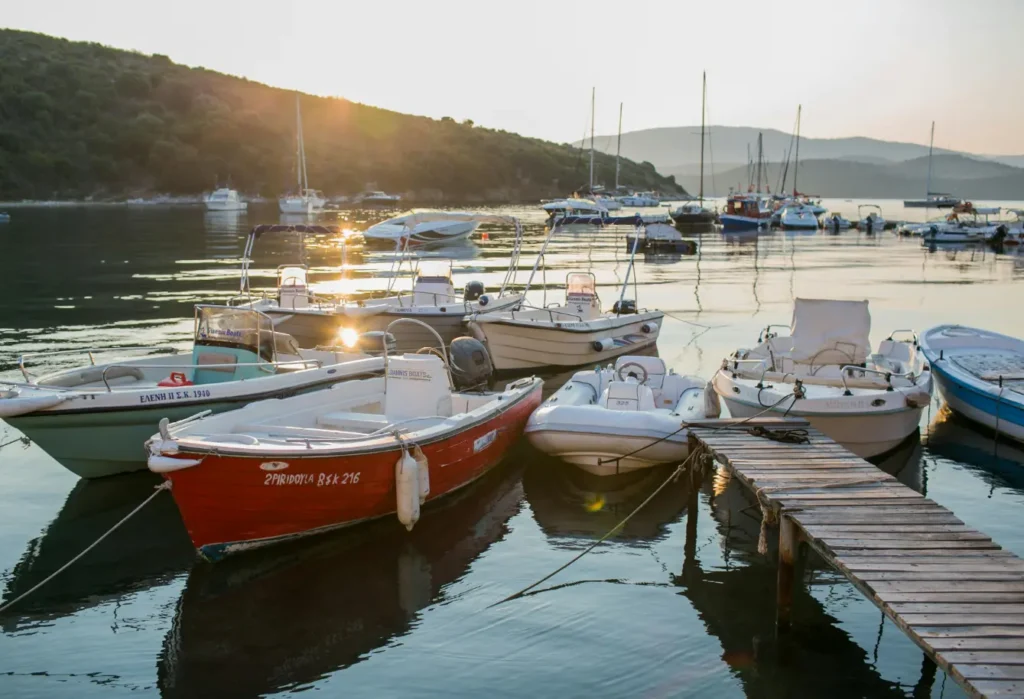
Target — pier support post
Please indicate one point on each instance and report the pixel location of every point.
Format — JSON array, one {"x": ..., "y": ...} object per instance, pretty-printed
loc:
[
  {"x": 789, "y": 541},
  {"x": 690, "y": 546}
]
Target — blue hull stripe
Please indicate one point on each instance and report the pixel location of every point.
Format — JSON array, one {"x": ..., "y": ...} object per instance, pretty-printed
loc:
[{"x": 1009, "y": 410}]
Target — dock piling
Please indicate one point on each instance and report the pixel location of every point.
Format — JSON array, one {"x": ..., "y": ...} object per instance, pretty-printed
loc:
[{"x": 789, "y": 541}]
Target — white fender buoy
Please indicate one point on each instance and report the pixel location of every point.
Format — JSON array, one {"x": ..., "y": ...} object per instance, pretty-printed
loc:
[
  {"x": 649, "y": 327},
  {"x": 407, "y": 486},
  {"x": 712, "y": 405},
  {"x": 603, "y": 345},
  {"x": 423, "y": 471}
]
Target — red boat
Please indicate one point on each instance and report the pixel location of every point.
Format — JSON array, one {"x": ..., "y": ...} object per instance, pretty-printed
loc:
[{"x": 363, "y": 449}]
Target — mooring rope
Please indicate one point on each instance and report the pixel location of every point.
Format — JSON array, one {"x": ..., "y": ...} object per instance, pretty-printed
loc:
[
  {"x": 23, "y": 439},
  {"x": 166, "y": 485}
]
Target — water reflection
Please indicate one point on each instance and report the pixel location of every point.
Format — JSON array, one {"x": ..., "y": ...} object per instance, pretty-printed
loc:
[
  {"x": 999, "y": 462},
  {"x": 279, "y": 619},
  {"x": 153, "y": 547}
]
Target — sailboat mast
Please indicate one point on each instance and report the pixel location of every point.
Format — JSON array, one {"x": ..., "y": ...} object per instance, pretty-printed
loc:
[
  {"x": 618, "y": 149},
  {"x": 298, "y": 145},
  {"x": 703, "y": 102},
  {"x": 796, "y": 163},
  {"x": 593, "y": 96},
  {"x": 931, "y": 144},
  {"x": 760, "y": 159}
]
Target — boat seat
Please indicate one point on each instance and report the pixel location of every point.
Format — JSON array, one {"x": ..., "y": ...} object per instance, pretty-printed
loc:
[
  {"x": 94, "y": 374},
  {"x": 655, "y": 367},
  {"x": 342, "y": 420},
  {"x": 628, "y": 396}
]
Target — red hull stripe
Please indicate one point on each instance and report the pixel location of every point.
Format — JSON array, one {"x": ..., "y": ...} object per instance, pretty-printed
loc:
[{"x": 231, "y": 502}]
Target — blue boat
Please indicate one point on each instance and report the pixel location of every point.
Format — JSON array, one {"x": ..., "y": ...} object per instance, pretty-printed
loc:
[
  {"x": 980, "y": 375},
  {"x": 745, "y": 212}
]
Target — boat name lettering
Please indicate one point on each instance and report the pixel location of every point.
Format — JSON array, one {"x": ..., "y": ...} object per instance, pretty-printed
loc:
[
  {"x": 315, "y": 479},
  {"x": 839, "y": 404},
  {"x": 487, "y": 440},
  {"x": 174, "y": 395},
  {"x": 411, "y": 374}
]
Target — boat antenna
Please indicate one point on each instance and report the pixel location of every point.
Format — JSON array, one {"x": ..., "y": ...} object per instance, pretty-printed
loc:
[
  {"x": 540, "y": 256},
  {"x": 796, "y": 161},
  {"x": 931, "y": 144},
  {"x": 593, "y": 98},
  {"x": 632, "y": 258},
  {"x": 618, "y": 148},
  {"x": 703, "y": 103},
  {"x": 299, "y": 150}
]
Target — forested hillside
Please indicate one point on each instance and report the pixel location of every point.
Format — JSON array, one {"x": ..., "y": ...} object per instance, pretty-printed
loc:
[{"x": 84, "y": 120}]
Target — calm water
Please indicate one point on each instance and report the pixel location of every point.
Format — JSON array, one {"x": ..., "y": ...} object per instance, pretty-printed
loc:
[{"x": 378, "y": 612}]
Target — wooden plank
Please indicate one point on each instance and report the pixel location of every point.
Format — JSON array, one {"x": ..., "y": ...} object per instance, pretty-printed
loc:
[
  {"x": 983, "y": 598},
  {"x": 718, "y": 423},
  {"x": 985, "y": 657},
  {"x": 904, "y": 505},
  {"x": 988, "y": 631},
  {"x": 965, "y": 608},
  {"x": 854, "y": 518},
  {"x": 963, "y": 619},
  {"x": 910, "y": 544},
  {"x": 965, "y": 585},
  {"x": 837, "y": 476},
  {"x": 885, "y": 531},
  {"x": 945, "y": 645},
  {"x": 877, "y": 491},
  {"x": 991, "y": 672},
  {"x": 939, "y": 556},
  {"x": 939, "y": 576},
  {"x": 998, "y": 688},
  {"x": 930, "y": 565}
]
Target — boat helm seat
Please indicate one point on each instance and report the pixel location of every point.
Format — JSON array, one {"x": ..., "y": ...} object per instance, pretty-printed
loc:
[
  {"x": 654, "y": 366},
  {"x": 628, "y": 396}
]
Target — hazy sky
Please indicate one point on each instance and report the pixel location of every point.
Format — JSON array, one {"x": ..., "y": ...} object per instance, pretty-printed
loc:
[{"x": 879, "y": 68}]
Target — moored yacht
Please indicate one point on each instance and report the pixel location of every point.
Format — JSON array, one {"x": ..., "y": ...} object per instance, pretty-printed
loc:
[
  {"x": 424, "y": 228},
  {"x": 744, "y": 212},
  {"x": 304, "y": 200},
  {"x": 224, "y": 199}
]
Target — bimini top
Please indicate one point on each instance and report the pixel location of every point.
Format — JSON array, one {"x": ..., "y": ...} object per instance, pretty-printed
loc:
[
  {"x": 826, "y": 327},
  {"x": 262, "y": 228},
  {"x": 417, "y": 217}
]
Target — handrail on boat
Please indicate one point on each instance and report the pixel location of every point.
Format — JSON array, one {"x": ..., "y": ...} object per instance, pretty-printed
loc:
[
  {"x": 913, "y": 334},
  {"x": 317, "y": 364},
  {"x": 89, "y": 351},
  {"x": 440, "y": 342},
  {"x": 888, "y": 375}
]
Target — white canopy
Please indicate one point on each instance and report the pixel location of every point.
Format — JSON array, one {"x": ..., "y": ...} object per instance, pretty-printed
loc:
[
  {"x": 417, "y": 217},
  {"x": 825, "y": 331}
]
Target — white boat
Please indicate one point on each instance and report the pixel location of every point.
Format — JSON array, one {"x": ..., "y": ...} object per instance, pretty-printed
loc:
[
  {"x": 304, "y": 200},
  {"x": 659, "y": 237},
  {"x": 870, "y": 219},
  {"x": 93, "y": 419},
  {"x": 966, "y": 224},
  {"x": 614, "y": 420},
  {"x": 980, "y": 375},
  {"x": 824, "y": 371},
  {"x": 423, "y": 228},
  {"x": 692, "y": 213},
  {"x": 833, "y": 222},
  {"x": 224, "y": 199},
  {"x": 378, "y": 198},
  {"x": 798, "y": 218},
  {"x": 572, "y": 334},
  {"x": 608, "y": 203},
  {"x": 314, "y": 320},
  {"x": 932, "y": 200},
  {"x": 573, "y": 207},
  {"x": 640, "y": 200}
]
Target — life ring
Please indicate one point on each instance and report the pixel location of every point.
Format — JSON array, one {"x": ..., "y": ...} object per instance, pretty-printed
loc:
[{"x": 176, "y": 378}]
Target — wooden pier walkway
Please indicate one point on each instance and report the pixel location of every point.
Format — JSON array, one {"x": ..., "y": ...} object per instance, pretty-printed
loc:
[{"x": 956, "y": 593}]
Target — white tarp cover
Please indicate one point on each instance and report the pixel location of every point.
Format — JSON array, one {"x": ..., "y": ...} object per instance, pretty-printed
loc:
[
  {"x": 830, "y": 332},
  {"x": 414, "y": 219}
]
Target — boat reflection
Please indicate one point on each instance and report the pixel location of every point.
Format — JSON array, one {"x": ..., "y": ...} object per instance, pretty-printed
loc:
[
  {"x": 568, "y": 502},
  {"x": 998, "y": 461},
  {"x": 146, "y": 551},
  {"x": 276, "y": 619}
]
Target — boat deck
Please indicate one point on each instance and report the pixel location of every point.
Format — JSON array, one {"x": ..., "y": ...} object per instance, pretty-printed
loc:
[{"x": 953, "y": 590}]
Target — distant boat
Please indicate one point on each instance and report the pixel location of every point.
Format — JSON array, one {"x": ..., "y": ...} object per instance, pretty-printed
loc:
[
  {"x": 932, "y": 200},
  {"x": 224, "y": 199},
  {"x": 5, "y": 217},
  {"x": 871, "y": 222},
  {"x": 640, "y": 200},
  {"x": 377, "y": 198},
  {"x": 305, "y": 200},
  {"x": 696, "y": 213},
  {"x": 424, "y": 227}
]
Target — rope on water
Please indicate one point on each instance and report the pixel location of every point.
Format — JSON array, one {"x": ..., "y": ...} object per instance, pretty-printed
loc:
[
  {"x": 166, "y": 485},
  {"x": 691, "y": 322},
  {"x": 613, "y": 530}
]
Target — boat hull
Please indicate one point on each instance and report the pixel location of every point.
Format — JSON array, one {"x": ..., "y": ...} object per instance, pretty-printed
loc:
[
  {"x": 603, "y": 454},
  {"x": 731, "y": 222},
  {"x": 232, "y": 503},
  {"x": 979, "y": 406},
  {"x": 515, "y": 344},
  {"x": 226, "y": 206},
  {"x": 866, "y": 435}
]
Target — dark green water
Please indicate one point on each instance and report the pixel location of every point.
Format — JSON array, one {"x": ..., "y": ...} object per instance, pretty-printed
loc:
[{"x": 377, "y": 612}]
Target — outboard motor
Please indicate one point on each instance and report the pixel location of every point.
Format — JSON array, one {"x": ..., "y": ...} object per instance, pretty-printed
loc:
[
  {"x": 870, "y": 225},
  {"x": 473, "y": 291},
  {"x": 1000, "y": 235},
  {"x": 835, "y": 223},
  {"x": 470, "y": 362},
  {"x": 624, "y": 307}
]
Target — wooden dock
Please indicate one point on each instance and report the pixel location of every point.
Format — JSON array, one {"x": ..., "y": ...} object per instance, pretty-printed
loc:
[{"x": 956, "y": 593}]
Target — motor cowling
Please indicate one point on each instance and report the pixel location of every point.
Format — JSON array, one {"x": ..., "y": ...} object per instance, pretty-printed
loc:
[
  {"x": 624, "y": 307},
  {"x": 473, "y": 291},
  {"x": 470, "y": 362}
]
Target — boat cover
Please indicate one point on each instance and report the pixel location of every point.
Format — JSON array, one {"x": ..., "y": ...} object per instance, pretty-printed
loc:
[{"x": 825, "y": 331}]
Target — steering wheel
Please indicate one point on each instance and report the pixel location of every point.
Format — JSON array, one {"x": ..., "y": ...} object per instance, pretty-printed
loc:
[{"x": 622, "y": 376}]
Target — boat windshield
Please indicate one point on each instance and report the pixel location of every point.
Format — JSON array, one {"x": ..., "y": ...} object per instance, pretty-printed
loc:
[
  {"x": 581, "y": 284},
  {"x": 291, "y": 276},
  {"x": 228, "y": 327}
]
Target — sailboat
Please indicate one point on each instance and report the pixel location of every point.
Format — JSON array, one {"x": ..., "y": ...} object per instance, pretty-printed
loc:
[
  {"x": 304, "y": 200},
  {"x": 749, "y": 211},
  {"x": 690, "y": 213},
  {"x": 937, "y": 200},
  {"x": 795, "y": 214}
]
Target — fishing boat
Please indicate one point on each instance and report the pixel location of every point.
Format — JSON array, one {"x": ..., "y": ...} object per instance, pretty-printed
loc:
[
  {"x": 366, "y": 449},
  {"x": 980, "y": 375},
  {"x": 315, "y": 320},
  {"x": 833, "y": 222},
  {"x": 745, "y": 212},
  {"x": 424, "y": 228},
  {"x": 932, "y": 200},
  {"x": 798, "y": 218},
  {"x": 304, "y": 200},
  {"x": 93, "y": 419},
  {"x": 617, "y": 419},
  {"x": 224, "y": 199},
  {"x": 870, "y": 219},
  {"x": 571, "y": 334},
  {"x": 824, "y": 371}
]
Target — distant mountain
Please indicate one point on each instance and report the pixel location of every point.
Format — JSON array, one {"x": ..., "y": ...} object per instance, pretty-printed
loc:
[
  {"x": 79, "y": 119},
  {"x": 965, "y": 177}
]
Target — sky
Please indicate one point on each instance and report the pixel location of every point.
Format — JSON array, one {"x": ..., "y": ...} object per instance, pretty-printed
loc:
[{"x": 879, "y": 68}]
